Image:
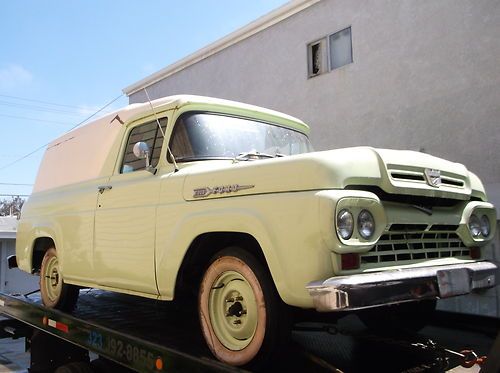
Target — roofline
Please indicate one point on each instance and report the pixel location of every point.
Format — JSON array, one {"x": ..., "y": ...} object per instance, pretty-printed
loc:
[{"x": 254, "y": 27}]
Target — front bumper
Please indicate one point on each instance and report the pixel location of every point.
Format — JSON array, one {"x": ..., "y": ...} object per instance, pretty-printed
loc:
[{"x": 365, "y": 290}]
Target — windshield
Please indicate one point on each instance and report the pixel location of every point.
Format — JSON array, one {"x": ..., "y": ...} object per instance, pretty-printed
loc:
[{"x": 213, "y": 136}]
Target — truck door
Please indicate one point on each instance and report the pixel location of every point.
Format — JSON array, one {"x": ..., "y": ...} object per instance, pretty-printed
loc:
[{"x": 124, "y": 241}]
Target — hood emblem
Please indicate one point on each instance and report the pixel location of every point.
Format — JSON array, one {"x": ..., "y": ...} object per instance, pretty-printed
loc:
[
  {"x": 223, "y": 189},
  {"x": 433, "y": 177}
]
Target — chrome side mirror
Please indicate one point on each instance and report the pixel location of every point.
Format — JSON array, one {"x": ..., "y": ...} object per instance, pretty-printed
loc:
[{"x": 141, "y": 150}]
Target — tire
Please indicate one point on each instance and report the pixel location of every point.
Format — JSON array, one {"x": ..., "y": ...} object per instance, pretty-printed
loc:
[
  {"x": 243, "y": 319},
  {"x": 55, "y": 293},
  {"x": 409, "y": 317},
  {"x": 76, "y": 367}
]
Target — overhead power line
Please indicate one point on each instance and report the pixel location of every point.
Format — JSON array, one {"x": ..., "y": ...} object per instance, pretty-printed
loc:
[
  {"x": 72, "y": 128},
  {"x": 17, "y": 184},
  {"x": 33, "y": 119},
  {"x": 39, "y": 101},
  {"x": 16, "y": 105}
]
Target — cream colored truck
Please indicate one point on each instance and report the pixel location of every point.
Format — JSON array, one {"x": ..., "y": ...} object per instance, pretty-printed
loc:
[{"x": 228, "y": 204}]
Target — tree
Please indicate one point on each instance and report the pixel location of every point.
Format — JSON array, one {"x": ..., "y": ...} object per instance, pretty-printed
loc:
[{"x": 12, "y": 206}]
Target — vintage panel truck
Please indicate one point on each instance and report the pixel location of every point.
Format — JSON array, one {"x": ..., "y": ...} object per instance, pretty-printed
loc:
[{"x": 228, "y": 205}]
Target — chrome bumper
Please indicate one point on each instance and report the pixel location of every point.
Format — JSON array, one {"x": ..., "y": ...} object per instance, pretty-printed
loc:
[{"x": 364, "y": 290}]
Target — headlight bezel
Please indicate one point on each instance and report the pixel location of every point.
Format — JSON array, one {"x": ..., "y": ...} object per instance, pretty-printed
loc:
[{"x": 355, "y": 204}]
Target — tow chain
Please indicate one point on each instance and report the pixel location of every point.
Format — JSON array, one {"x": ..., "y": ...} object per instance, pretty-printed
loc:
[{"x": 466, "y": 358}]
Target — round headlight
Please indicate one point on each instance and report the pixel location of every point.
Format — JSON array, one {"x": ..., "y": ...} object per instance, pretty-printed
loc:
[
  {"x": 485, "y": 226},
  {"x": 345, "y": 224},
  {"x": 474, "y": 226},
  {"x": 366, "y": 224}
]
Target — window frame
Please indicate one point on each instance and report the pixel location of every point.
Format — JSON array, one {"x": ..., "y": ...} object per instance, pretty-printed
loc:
[
  {"x": 324, "y": 63},
  {"x": 190, "y": 112},
  {"x": 326, "y": 50},
  {"x": 328, "y": 37},
  {"x": 126, "y": 144}
]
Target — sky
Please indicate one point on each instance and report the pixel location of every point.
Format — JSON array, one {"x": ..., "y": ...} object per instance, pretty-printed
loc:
[{"x": 61, "y": 61}]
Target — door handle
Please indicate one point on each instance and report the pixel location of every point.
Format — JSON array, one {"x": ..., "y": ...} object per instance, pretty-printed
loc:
[{"x": 102, "y": 188}]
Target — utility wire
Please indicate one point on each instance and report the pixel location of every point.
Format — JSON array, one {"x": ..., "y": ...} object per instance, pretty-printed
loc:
[
  {"x": 40, "y": 102},
  {"x": 39, "y": 108},
  {"x": 17, "y": 184},
  {"x": 33, "y": 119},
  {"x": 72, "y": 128},
  {"x": 14, "y": 195}
]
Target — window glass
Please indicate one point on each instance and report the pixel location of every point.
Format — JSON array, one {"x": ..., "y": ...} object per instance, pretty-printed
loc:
[
  {"x": 150, "y": 134},
  {"x": 340, "y": 48},
  {"x": 212, "y": 136}
]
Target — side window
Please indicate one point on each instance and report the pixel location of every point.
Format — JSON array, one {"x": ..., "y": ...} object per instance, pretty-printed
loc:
[{"x": 150, "y": 134}]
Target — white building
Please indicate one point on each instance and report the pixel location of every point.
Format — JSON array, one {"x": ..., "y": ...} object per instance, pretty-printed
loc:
[{"x": 12, "y": 281}]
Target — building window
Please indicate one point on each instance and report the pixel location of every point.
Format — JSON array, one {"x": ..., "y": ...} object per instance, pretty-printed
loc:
[
  {"x": 316, "y": 58},
  {"x": 329, "y": 53},
  {"x": 340, "y": 48}
]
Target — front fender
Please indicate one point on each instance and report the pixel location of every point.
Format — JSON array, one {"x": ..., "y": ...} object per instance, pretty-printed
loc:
[{"x": 285, "y": 225}]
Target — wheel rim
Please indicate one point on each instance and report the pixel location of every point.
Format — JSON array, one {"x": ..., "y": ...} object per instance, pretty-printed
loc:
[
  {"x": 233, "y": 310},
  {"x": 52, "y": 280}
]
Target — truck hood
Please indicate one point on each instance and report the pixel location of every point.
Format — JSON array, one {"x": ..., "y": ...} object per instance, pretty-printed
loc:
[{"x": 393, "y": 171}]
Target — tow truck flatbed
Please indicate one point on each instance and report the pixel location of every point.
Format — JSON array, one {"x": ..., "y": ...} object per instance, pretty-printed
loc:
[{"x": 153, "y": 336}]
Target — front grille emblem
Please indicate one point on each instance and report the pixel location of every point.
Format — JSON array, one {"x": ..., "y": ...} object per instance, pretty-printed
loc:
[{"x": 433, "y": 177}]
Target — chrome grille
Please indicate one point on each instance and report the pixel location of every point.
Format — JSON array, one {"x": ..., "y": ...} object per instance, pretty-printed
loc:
[{"x": 404, "y": 242}]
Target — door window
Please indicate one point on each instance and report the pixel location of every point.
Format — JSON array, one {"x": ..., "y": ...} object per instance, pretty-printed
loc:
[{"x": 150, "y": 134}]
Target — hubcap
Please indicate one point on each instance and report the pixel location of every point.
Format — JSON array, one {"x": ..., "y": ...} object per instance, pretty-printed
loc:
[
  {"x": 233, "y": 310},
  {"x": 52, "y": 280}
]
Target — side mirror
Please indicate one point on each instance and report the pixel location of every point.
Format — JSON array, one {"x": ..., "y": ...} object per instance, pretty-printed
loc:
[{"x": 141, "y": 150}]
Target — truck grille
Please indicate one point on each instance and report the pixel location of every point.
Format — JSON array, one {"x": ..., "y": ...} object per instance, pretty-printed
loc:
[
  {"x": 404, "y": 242},
  {"x": 418, "y": 175}
]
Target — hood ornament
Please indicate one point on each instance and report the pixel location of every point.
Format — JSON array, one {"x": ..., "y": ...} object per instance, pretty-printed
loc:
[
  {"x": 433, "y": 177},
  {"x": 223, "y": 189}
]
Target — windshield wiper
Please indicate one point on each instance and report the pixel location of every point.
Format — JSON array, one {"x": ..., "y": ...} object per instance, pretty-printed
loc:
[{"x": 253, "y": 155}]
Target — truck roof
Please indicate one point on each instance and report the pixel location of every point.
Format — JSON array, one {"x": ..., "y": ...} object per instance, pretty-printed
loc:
[{"x": 84, "y": 153}]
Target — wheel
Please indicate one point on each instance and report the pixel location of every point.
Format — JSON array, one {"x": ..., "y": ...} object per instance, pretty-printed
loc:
[
  {"x": 411, "y": 316},
  {"x": 55, "y": 293},
  {"x": 76, "y": 367},
  {"x": 243, "y": 320}
]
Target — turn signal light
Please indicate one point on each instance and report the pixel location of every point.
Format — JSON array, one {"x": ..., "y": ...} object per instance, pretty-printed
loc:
[
  {"x": 475, "y": 253},
  {"x": 350, "y": 261}
]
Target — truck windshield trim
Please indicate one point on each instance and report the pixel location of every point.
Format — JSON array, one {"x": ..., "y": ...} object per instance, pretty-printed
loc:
[{"x": 205, "y": 135}]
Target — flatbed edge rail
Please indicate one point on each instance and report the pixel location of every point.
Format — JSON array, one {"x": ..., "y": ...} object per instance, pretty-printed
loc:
[{"x": 127, "y": 350}]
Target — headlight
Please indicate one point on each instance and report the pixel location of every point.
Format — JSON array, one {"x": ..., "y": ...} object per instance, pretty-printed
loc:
[
  {"x": 366, "y": 224},
  {"x": 485, "y": 226},
  {"x": 345, "y": 224},
  {"x": 474, "y": 226}
]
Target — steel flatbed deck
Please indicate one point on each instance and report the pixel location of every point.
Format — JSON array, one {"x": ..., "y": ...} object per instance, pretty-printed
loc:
[
  {"x": 140, "y": 334},
  {"x": 153, "y": 336}
]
